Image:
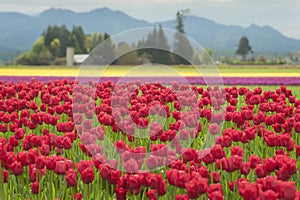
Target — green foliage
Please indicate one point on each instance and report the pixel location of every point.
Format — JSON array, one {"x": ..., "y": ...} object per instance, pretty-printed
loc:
[
  {"x": 230, "y": 60},
  {"x": 63, "y": 35},
  {"x": 93, "y": 40},
  {"x": 261, "y": 59},
  {"x": 130, "y": 58},
  {"x": 51, "y": 47},
  {"x": 55, "y": 47},
  {"x": 30, "y": 58},
  {"x": 244, "y": 48},
  {"x": 39, "y": 46},
  {"x": 224, "y": 59},
  {"x": 280, "y": 60},
  {"x": 59, "y": 61},
  {"x": 39, "y": 54}
]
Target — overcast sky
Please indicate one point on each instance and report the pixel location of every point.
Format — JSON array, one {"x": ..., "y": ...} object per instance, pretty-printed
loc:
[{"x": 283, "y": 15}]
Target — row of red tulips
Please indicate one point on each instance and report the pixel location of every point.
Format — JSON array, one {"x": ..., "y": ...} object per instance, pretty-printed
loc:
[{"x": 138, "y": 140}]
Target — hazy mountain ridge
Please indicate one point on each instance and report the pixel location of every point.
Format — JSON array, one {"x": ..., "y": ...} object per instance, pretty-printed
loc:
[{"x": 19, "y": 31}]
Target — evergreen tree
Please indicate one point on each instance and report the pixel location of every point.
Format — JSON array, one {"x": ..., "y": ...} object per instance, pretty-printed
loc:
[
  {"x": 79, "y": 37},
  {"x": 182, "y": 47},
  {"x": 152, "y": 42},
  {"x": 50, "y": 34},
  {"x": 66, "y": 40},
  {"x": 145, "y": 46},
  {"x": 155, "y": 48},
  {"x": 179, "y": 18},
  {"x": 163, "y": 55},
  {"x": 93, "y": 40},
  {"x": 105, "y": 53}
]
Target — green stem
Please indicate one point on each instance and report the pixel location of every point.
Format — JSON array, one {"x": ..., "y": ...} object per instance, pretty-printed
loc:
[
  {"x": 52, "y": 193},
  {"x": 100, "y": 185},
  {"x": 86, "y": 191},
  {"x": 2, "y": 196}
]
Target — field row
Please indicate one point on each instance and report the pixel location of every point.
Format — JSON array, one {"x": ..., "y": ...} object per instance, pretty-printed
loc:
[
  {"x": 69, "y": 140},
  {"x": 148, "y": 71}
]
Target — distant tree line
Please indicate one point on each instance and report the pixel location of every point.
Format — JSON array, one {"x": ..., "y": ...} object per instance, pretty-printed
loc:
[{"x": 50, "y": 48}]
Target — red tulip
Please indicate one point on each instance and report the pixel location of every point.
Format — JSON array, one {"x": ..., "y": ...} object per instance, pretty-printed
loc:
[
  {"x": 19, "y": 133},
  {"x": 120, "y": 193},
  {"x": 269, "y": 194},
  {"x": 71, "y": 177},
  {"x": 114, "y": 176},
  {"x": 87, "y": 175},
  {"x": 247, "y": 114},
  {"x": 216, "y": 177},
  {"x": 261, "y": 170},
  {"x": 151, "y": 194},
  {"x": 182, "y": 197},
  {"x": 40, "y": 162},
  {"x": 35, "y": 187},
  {"x": 133, "y": 184},
  {"x": 5, "y": 178},
  {"x": 196, "y": 187},
  {"x": 287, "y": 190},
  {"x": 3, "y": 128},
  {"x": 236, "y": 150},
  {"x": 245, "y": 168},
  {"x": 44, "y": 149},
  {"x": 270, "y": 164},
  {"x": 64, "y": 142},
  {"x": 77, "y": 196},
  {"x": 16, "y": 168},
  {"x": 215, "y": 188},
  {"x": 84, "y": 164},
  {"x": 216, "y": 196},
  {"x": 297, "y": 127},
  {"x": 60, "y": 167},
  {"x": 189, "y": 154},
  {"x": 104, "y": 171},
  {"x": 249, "y": 192}
]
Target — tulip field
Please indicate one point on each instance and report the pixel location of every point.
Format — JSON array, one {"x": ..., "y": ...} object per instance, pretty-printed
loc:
[{"x": 62, "y": 139}]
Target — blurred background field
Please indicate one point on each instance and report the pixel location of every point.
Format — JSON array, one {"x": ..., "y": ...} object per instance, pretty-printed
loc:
[{"x": 117, "y": 70}]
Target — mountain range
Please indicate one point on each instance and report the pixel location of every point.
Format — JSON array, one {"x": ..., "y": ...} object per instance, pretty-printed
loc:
[{"x": 19, "y": 31}]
